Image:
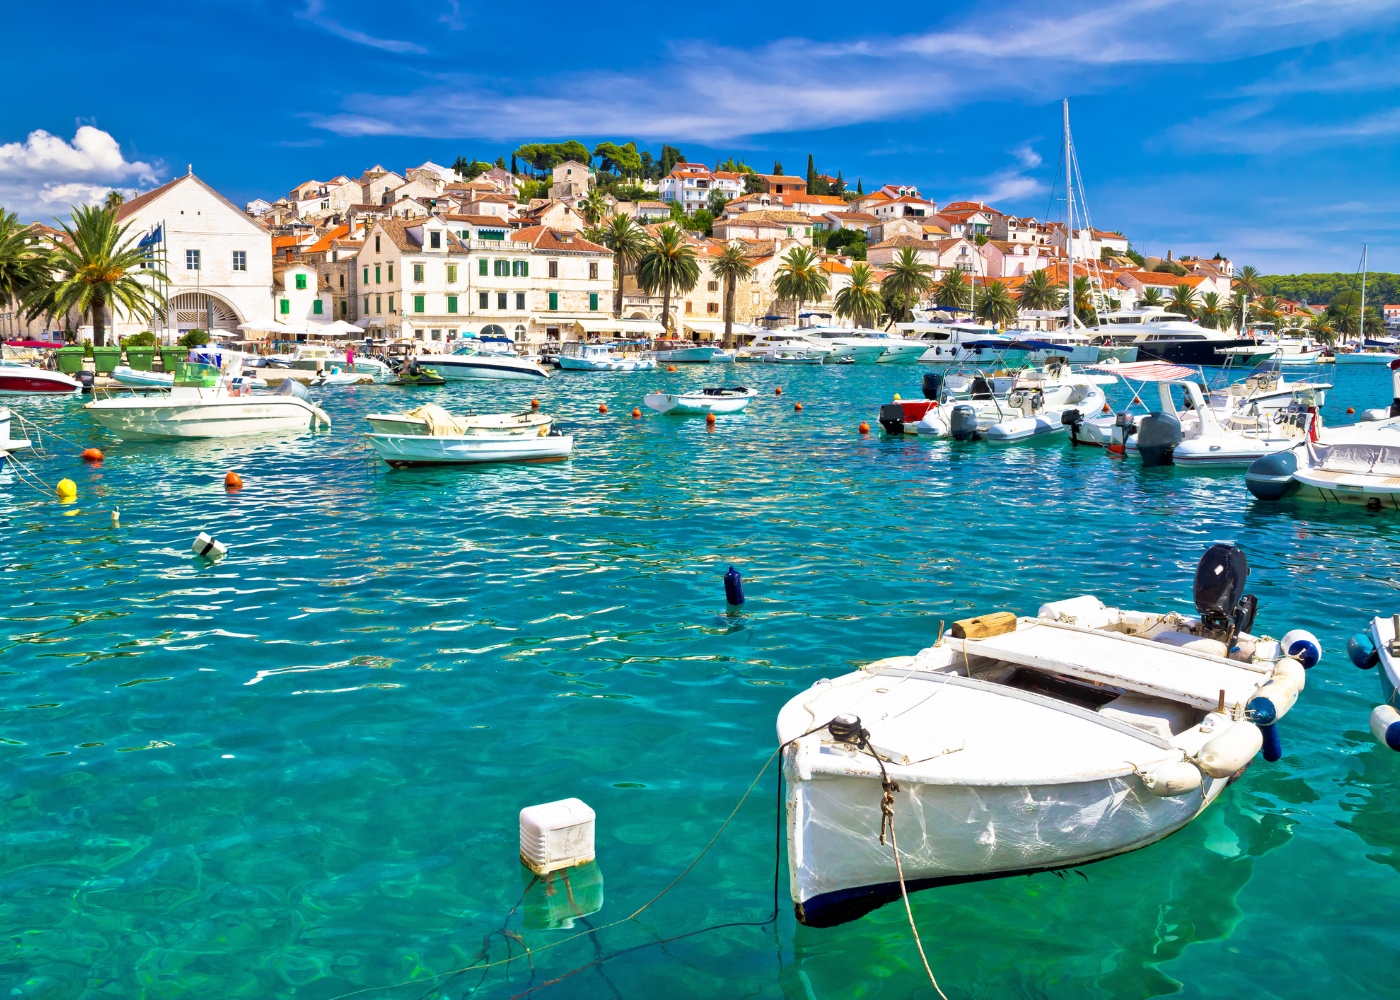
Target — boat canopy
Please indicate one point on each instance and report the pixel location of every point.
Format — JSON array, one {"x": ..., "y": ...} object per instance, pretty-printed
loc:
[
  {"x": 1038, "y": 345},
  {"x": 1147, "y": 371}
]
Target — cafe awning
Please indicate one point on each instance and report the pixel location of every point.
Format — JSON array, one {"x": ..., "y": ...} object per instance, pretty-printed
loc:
[{"x": 634, "y": 326}]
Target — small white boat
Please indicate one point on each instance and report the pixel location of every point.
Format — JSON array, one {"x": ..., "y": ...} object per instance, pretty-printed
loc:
[
  {"x": 471, "y": 361},
  {"x": 1031, "y": 744},
  {"x": 722, "y": 399},
  {"x": 471, "y": 449},
  {"x": 335, "y": 377},
  {"x": 27, "y": 380},
  {"x": 433, "y": 420},
  {"x": 1032, "y": 403},
  {"x": 1359, "y": 469},
  {"x": 864, "y": 347},
  {"x": 164, "y": 380},
  {"x": 721, "y": 356},
  {"x": 310, "y": 357},
  {"x": 8, "y": 445},
  {"x": 601, "y": 358},
  {"x": 675, "y": 352},
  {"x": 1380, "y": 644},
  {"x": 786, "y": 357},
  {"x": 202, "y": 404},
  {"x": 1366, "y": 357}
]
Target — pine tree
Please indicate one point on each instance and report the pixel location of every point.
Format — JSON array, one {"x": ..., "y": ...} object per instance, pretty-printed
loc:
[
  {"x": 501, "y": 162},
  {"x": 860, "y": 188},
  {"x": 513, "y": 169},
  {"x": 839, "y": 188},
  {"x": 778, "y": 168},
  {"x": 811, "y": 174}
]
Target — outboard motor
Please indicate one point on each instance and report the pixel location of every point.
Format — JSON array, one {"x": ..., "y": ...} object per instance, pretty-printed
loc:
[
  {"x": 291, "y": 387},
  {"x": 1072, "y": 419},
  {"x": 1270, "y": 477},
  {"x": 1157, "y": 437},
  {"x": 87, "y": 379},
  {"x": 933, "y": 385},
  {"x": 1223, "y": 605},
  {"x": 963, "y": 422},
  {"x": 892, "y": 418}
]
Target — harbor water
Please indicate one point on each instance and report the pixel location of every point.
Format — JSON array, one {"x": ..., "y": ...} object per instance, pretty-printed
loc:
[{"x": 296, "y": 773}]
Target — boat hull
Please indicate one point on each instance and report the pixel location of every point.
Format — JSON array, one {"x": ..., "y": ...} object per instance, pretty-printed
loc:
[
  {"x": 24, "y": 380},
  {"x": 462, "y": 369},
  {"x": 140, "y": 420},
  {"x": 402, "y": 450},
  {"x": 687, "y": 356},
  {"x": 696, "y": 404},
  {"x": 1374, "y": 358},
  {"x": 902, "y": 354},
  {"x": 1195, "y": 353}
]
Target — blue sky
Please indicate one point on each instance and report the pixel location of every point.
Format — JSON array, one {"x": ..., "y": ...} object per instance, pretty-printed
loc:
[{"x": 1265, "y": 131}]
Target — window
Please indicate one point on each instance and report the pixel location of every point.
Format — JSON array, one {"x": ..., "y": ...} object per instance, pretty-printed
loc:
[
  {"x": 593, "y": 299},
  {"x": 712, "y": 307},
  {"x": 366, "y": 274},
  {"x": 376, "y": 274},
  {"x": 452, "y": 303},
  {"x": 391, "y": 303},
  {"x": 284, "y": 307},
  {"x": 240, "y": 260},
  {"x": 483, "y": 300},
  {"x": 379, "y": 303},
  {"x": 316, "y": 308},
  {"x": 344, "y": 307},
  {"x": 501, "y": 300},
  {"x": 191, "y": 260},
  {"x": 483, "y": 267},
  {"x": 417, "y": 272},
  {"x": 435, "y": 240},
  {"x": 502, "y": 269},
  {"x": 366, "y": 305},
  {"x": 593, "y": 270},
  {"x": 520, "y": 301},
  {"x": 789, "y": 229},
  {"x": 301, "y": 282},
  {"x": 391, "y": 273},
  {"x": 520, "y": 268},
  {"x": 713, "y": 286},
  {"x": 418, "y": 303},
  {"x": 554, "y": 269},
  {"x": 376, "y": 244},
  {"x": 451, "y": 274},
  {"x": 689, "y": 308},
  {"x": 553, "y": 299},
  {"x": 342, "y": 280}
]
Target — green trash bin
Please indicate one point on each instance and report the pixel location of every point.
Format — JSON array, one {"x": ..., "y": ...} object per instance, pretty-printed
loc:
[
  {"x": 141, "y": 359},
  {"x": 104, "y": 359},
  {"x": 70, "y": 360},
  {"x": 170, "y": 355}
]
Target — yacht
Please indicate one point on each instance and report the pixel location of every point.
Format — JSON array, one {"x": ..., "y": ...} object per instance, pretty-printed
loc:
[
  {"x": 790, "y": 340},
  {"x": 864, "y": 347},
  {"x": 1162, "y": 336},
  {"x": 472, "y": 361},
  {"x": 601, "y": 358},
  {"x": 951, "y": 343}
]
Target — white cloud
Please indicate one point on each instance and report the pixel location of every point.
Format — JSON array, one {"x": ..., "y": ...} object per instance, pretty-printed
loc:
[
  {"x": 708, "y": 93},
  {"x": 46, "y": 175},
  {"x": 1014, "y": 183},
  {"x": 315, "y": 12}
]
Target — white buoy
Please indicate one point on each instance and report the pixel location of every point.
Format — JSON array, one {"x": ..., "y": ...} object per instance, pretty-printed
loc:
[
  {"x": 116, "y": 519},
  {"x": 210, "y": 548},
  {"x": 1228, "y": 752},
  {"x": 555, "y": 835},
  {"x": 1172, "y": 778}
]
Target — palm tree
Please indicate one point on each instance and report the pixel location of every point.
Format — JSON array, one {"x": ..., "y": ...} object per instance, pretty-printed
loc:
[
  {"x": 1040, "y": 291},
  {"x": 628, "y": 241},
  {"x": 995, "y": 305},
  {"x": 594, "y": 207},
  {"x": 907, "y": 281},
  {"x": 1183, "y": 301},
  {"x": 20, "y": 262},
  {"x": 1084, "y": 302},
  {"x": 801, "y": 278},
  {"x": 1210, "y": 313},
  {"x": 669, "y": 265},
  {"x": 1151, "y": 296},
  {"x": 861, "y": 299},
  {"x": 114, "y": 199},
  {"x": 1322, "y": 330},
  {"x": 951, "y": 292},
  {"x": 98, "y": 266},
  {"x": 1270, "y": 311},
  {"x": 1247, "y": 282},
  {"x": 1238, "y": 312},
  {"x": 731, "y": 266}
]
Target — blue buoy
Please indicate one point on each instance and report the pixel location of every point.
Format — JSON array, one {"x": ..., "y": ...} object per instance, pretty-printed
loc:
[
  {"x": 1303, "y": 646},
  {"x": 1273, "y": 748},
  {"x": 733, "y": 587},
  {"x": 1262, "y": 712},
  {"x": 1362, "y": 651}
]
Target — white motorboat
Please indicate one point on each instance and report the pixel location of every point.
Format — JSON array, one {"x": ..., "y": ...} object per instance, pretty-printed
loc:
[
  {"x": 799, "y": 357},
  {"x": 601, "y": 358},
  {"x": 680, "y": 352},
  {"x": 471, "y": 449},
  {"x": 1022, "y": 745},
  {"x": 950, "y": 344},
  {"x": 201, "y": 404},
  {"x": 1372, "y": 351},
  {"x": 788, "y": 340},
  {"x": 433, "y": 420},
  {"x": 310, "y": 357},
  {"x": 28, "y": 380},
  {"x": 470, "y": 361},
  {"x": 1071, "y": 345},
  {"x": 864, "y": 347},
  {"x": 1268, "y": 388},
  {"x": 335, "y": 377},
  {"x": 1031, "y": 403},
  {"x": 1162, "y": 336},
  {"x": 8, "y": 444},
  {"x": 137, "y": 379},
  {"x": 721, "y": 399}
]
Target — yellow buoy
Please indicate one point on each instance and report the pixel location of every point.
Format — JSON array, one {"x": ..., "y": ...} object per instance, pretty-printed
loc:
[
  {"x": 67, "y": 490},
  {"x": 896, "y": 397}
]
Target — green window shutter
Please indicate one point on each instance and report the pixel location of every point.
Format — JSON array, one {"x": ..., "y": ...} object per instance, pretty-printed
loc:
[
  {"x": 366, "y": 305},
  {"x": 376, "y": 274},
  {"x": 451, "y": 274},
  {"x": 391, "y": 268},
  {"x": 344, "y": 307},
  {"x": 593, "y": 301},
  {"x": 285, "y": 307},
  {"x": 524, "y": 268},
  {"x": 366, "y": 274},
  {"x": 316, "y": 307},
  {"x": 553, "y": 301},
  {"x": 482, "y": 266},
  {"x": 452, "y": 303},
  {"x": 418, "y": 303},
  {"x": 301, "y": 282},
  {"x": 417, "y": 272},
  {"x": 391, "y": 303}
]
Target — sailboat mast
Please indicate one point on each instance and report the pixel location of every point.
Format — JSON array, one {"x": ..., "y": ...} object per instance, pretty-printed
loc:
[
  {"x": 1361, "y": 323},
  {"x": 1069, "y": 225}
]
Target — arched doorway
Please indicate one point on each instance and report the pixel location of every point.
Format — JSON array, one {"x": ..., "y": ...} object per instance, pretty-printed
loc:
[{"x": 202, "y": 311}]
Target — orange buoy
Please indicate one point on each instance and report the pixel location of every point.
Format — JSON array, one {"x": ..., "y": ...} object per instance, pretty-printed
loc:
[
  {"x": 1107, "y": 408},
  {"x": 1350, "y": 410},
  {"x": 602, "y": 407},
  {"x": 1136, "y": 400},
  {"x": 778, "y": 391},
  {"x": 864, "y": 427},
  {"x": 534, "y": 404},
  {"x": 92, "y": 455},
  {"x": 710, "y": 419},
  {"x": 233, "y": 481},
  {"x": 670, "y": 368},
  {"x": 797, "y": 407},
  {"x": 637, "y": 412}
]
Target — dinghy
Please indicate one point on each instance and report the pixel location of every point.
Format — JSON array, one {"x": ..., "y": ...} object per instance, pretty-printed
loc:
[
  {"x": 433, "y": 420},
  {"x": 720, "y": 399},
  {"x": 1380, "y": 644},
  {"x": 1019, "y": 745},
  {"x": 471, "y": 449}
]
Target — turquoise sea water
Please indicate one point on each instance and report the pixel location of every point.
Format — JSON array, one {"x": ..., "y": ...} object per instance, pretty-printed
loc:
[{"x": 297, "y": 773}]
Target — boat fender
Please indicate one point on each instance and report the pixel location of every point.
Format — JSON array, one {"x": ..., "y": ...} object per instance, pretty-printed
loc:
[
  {"x": 1378, "y": 413},
  {"x": 1272, "y": 702},
  {"x": 1177, "y": 777},
  {"x": 1303, "y": 646},
  {"x": 892, "y": 418},
  {"x": 733, "y": 587},
  {"x": 963, "y": 422},
  {"x": 210, "y": 548},
  {"x": 1228, "y": 752},
  {"x": 1157, "y": 437},
  {"x": 1271, "y": 476},
  {"x": 1362, "y": 651},
  {"x": 1385, "y": 725},
  {"x": 1270, "y": 744},
  {"x": 1084, "y": 610}
]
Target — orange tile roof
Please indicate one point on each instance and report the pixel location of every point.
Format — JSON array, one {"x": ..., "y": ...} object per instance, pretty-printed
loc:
[{"x": 545, "y": 238}]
